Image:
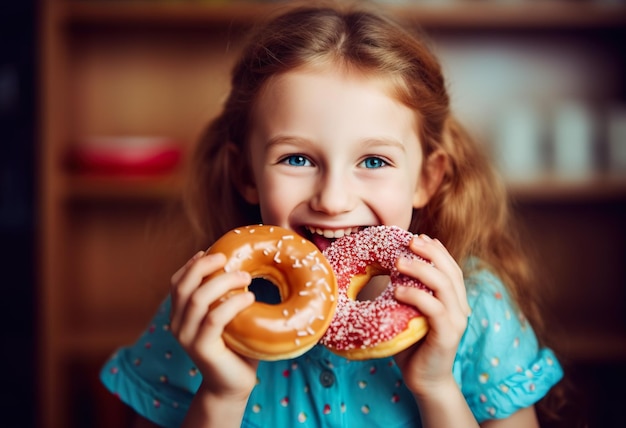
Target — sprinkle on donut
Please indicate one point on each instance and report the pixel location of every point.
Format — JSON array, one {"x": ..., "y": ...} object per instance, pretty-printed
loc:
[{"x": 372, "y": 328}]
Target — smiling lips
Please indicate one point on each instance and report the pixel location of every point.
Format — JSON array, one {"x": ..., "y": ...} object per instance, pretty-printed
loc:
[
  {"x": 331, "y": 233},
  {"x": 322, "y": 238}
]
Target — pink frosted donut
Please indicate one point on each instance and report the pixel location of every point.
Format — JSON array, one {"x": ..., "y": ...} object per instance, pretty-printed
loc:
[{"x": 375, "y": 328}]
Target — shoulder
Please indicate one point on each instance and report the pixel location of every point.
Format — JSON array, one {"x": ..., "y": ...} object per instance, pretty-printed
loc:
[
  {"x": 500, "y": 365},
  {"x": 154, "y": 376},
  {"x": 495, "y": 325}
]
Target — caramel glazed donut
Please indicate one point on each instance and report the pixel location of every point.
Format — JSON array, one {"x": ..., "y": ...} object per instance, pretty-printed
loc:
[
  {"x": 372, "y": 328},
  {"x": 304, "y": 279}
]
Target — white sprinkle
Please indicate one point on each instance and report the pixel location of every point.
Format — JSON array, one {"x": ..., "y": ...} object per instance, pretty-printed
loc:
[
  {"x": 319, "y": 266},
  {"x": 301, "y": 333},
  {"x": 303, "y": 293},
  {"x": 297, "y": 342},
  {"x": 310, "y": 331},
  {"x": 285, "y": 312},
  {"x": 288, "y": 237},
  {"x": 237, "y": 231}
]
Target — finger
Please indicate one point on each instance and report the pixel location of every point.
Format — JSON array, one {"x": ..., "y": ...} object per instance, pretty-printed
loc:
[
  {"x": 436, "y": 252},
  {"x": 179, "y": 273},
  {"x": 212, "y": 326},
  {"x": 203, "y": 297},
  {"x": 428, "y": 305},
  {"x": 460, "y": 282},
  {"x": 434, "y": 279},
  {"x": 440, "y": 320},
  {"x": 191, "y": 278}
]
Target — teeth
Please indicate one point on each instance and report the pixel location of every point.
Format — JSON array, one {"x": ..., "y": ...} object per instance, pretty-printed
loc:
[{"x": 332, "y": 233}]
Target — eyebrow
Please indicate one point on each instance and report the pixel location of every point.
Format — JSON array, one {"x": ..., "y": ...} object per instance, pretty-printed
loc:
[
  {"x": 368, "y": 142},
  {"x": 285, "y": 139},
  {"x": 383, "y": 141}
]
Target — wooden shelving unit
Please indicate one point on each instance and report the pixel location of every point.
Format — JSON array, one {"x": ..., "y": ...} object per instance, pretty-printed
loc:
[
  {"x": 554, "y": 189},
  {"x": 108, "y": 245},
  {"x": 484, "y": 14}
]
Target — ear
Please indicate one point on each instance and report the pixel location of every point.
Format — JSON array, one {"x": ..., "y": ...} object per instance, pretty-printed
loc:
[
  {"x": 240, "y": 175},
  {"x": 433, "y": 171}
]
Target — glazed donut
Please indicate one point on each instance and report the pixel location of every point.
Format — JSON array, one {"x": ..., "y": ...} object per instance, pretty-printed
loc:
[
  {"x": 304, "y": 279},
  {"x": 375, "y": 328}
]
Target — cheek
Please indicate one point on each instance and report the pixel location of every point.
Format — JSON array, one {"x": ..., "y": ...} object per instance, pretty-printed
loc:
[
  {"x": 277, "y": 200},
  {"x": 393, "y": 203}
]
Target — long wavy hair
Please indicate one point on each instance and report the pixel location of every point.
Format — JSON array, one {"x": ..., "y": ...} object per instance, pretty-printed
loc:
[{"x": 469, "y": 212}]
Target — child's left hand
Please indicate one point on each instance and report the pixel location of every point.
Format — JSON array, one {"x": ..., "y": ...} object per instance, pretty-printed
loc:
[{"x": 428, "y": 364}]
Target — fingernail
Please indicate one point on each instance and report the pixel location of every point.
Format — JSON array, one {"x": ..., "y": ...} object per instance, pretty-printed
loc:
[
  {"x": 417, "y": 240},
  {"x": 403, "y": 261},
  {"x": 401, "y": 291},
  {"x": 426, "y": 237}
]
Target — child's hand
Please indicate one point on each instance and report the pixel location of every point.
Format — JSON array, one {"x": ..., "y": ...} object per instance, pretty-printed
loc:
[
  {"x": 199, "y": 330},
  {"x": 428, "y": 364}
]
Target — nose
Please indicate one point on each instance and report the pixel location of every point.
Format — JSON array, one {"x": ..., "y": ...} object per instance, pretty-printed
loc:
[{"x": 334, "y": 194}]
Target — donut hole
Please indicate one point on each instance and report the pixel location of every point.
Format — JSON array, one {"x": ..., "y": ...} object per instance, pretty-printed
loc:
[
  {"x": 265, "y": 291},
  {"x": 373, "y": 288}
]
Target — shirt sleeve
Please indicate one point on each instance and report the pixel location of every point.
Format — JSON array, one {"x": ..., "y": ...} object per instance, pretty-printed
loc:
[
  {"x": 500, "y": 366},
  {"x": 154, "y": 376}
]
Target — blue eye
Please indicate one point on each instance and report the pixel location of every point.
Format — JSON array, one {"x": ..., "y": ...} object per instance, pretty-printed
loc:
[
  {"x": 297, "y": 160},
  {"x": 373, "y": 162}
]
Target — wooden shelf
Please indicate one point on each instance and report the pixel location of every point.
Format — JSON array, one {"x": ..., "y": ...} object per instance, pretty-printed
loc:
[
  {"x": 559, "y": 14},
  {"x": 170, "y": 188},
  {"x": 146, "y": 188},
  {"x": 558, "y": 189},
  {"x": 109, "y": 244},
  {"x": 592, "y": 346},
  {"x": 165, "y": 13}
]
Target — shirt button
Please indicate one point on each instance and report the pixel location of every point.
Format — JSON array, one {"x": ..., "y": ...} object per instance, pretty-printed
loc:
[{"x": 327, "y": 378}]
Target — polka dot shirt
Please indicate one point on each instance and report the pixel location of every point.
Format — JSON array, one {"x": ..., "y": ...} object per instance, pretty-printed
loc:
[{"x": 499, "y": 368}]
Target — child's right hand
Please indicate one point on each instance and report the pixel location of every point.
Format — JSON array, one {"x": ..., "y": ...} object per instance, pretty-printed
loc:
[{"x": 199, "y": 330}]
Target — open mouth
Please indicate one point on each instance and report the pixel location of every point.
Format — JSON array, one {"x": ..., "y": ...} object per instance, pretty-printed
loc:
[{"x": 322, "y": 238}]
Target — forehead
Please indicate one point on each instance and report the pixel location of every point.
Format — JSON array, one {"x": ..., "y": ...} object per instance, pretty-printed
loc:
[
  {"x": 339, "y": 71},
  {"x": 315, "y": 89}
]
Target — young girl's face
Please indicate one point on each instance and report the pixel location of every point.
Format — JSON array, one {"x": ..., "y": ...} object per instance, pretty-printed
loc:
[{"x": 332, "y": 151}]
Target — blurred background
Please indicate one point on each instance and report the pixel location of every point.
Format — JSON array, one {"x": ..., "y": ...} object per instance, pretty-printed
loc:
[
  {"x": 18, "y": 91},
  {"x": 101, "y": 102}
]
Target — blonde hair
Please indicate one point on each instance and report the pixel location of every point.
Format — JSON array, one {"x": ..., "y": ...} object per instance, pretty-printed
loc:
[{"x": 469, "y": 212}]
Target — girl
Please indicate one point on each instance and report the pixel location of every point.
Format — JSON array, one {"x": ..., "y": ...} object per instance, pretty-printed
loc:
[{"x": 339, "y": 119}]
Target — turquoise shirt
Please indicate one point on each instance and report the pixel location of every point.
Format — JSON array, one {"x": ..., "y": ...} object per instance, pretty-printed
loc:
[{"x": 499, "y": 368}]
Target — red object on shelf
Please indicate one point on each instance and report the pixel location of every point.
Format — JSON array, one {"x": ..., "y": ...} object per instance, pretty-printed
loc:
[{"x": 127, "y": 156}]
